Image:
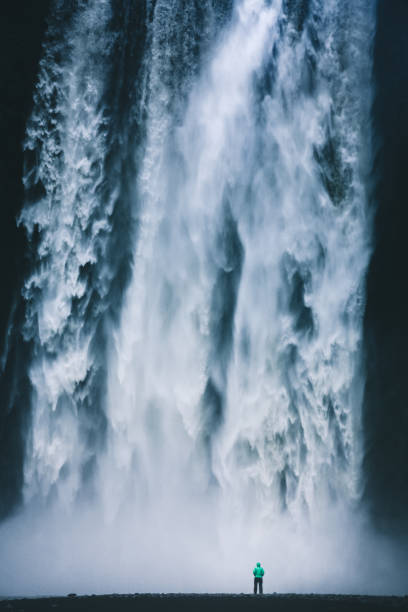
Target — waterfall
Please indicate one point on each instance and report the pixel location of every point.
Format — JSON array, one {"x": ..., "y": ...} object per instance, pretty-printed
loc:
[
  {"x": 78, "y": 222},
  {"x": 239, "y": 342},
  {"x": 197, "y": 210}
]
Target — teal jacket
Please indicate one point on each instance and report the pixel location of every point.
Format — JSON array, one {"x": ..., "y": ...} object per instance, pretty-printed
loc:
[{"x": 258, "y": 571}]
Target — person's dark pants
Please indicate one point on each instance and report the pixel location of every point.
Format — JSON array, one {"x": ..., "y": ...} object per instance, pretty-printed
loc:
[{"x": 258, "y": 583}]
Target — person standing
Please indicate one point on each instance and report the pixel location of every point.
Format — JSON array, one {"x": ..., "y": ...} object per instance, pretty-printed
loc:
[{"x": 258, "y": 578}]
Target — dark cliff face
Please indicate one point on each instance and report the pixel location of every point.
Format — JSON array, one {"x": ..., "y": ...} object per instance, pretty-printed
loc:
[
  {"x": 386, "y": 317},
  {"x": 22, "y": 27}
]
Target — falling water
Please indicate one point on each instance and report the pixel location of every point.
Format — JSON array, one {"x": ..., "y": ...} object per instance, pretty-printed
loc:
[{"x": 195, "y": 304}]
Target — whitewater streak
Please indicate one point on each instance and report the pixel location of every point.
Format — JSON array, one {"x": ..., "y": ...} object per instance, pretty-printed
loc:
[{"x": 207, "y": 406}]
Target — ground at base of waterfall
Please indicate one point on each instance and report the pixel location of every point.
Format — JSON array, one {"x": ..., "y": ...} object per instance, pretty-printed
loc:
[{"x": 206, "y": 602}]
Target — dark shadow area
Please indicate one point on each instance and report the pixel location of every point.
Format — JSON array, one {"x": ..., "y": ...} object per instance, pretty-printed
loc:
[
  {"x": 230, "y": 253},
  {"x": 386, "y": 317}
]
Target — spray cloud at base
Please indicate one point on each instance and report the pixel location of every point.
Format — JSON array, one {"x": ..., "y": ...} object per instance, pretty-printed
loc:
[{"x": 85, "y": 554}]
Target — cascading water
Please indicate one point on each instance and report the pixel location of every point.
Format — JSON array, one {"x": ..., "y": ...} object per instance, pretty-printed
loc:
[
  {"x": 240, "y": 332},
  {"x": 197, "y": 210},
  {"x": 69, "y": 127}
]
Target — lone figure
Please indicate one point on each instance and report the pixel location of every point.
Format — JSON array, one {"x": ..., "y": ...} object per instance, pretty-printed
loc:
[{"x": 258, "y": 578}]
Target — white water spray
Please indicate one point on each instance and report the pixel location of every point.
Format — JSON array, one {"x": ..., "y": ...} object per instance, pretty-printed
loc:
[
  {"x": 67, "y": 131},
  {"x": 246, "y": 166}
]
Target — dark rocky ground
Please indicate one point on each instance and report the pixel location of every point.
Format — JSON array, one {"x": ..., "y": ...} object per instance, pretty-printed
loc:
[{"x": 211, "y": 603}]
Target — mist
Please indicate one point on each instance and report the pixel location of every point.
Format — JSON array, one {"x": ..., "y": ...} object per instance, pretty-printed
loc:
[{"x": 183, "y": 550}]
